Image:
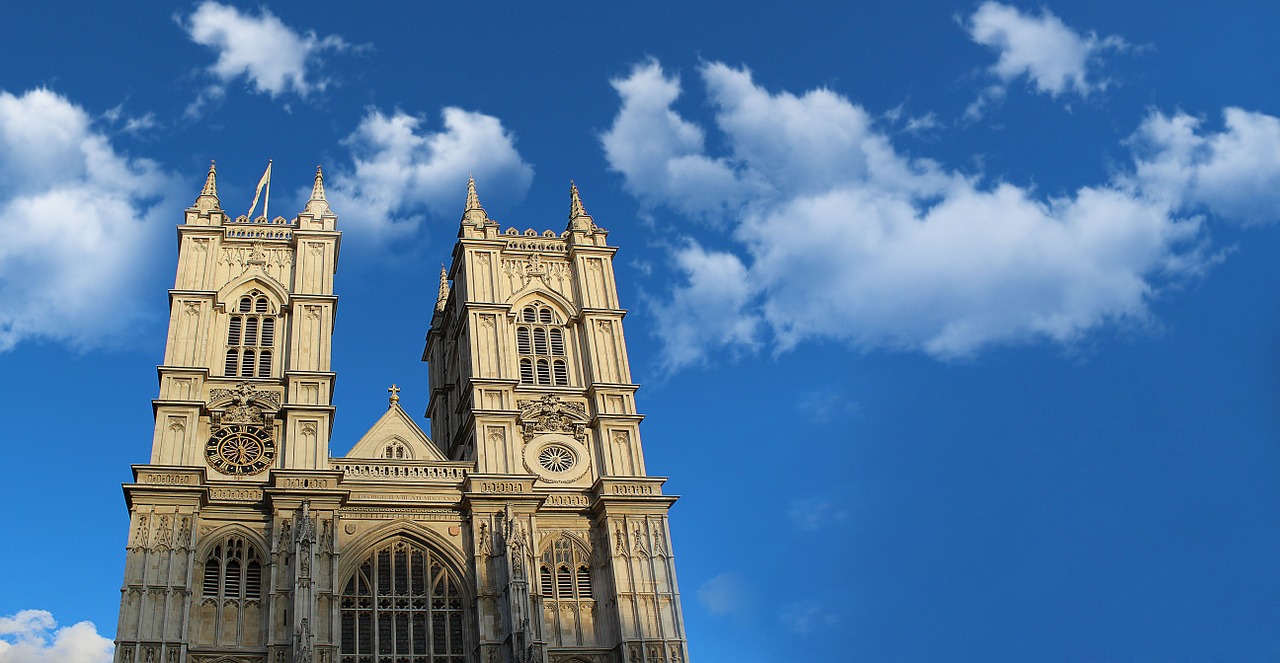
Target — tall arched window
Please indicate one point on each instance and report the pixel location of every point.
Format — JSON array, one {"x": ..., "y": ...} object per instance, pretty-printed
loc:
[
  {"x": 402, "y": 605},
  {"x": 566, "y": 571},
  {"x": 232, "y": 571},
  {"x": 230, "y": 607},
  {"x": 251, "y": 337},
  {"x": 564, "y": 576},
  {"x": 540, "y": 344}
]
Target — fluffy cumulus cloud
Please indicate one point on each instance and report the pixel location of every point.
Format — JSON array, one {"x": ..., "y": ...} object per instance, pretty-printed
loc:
[
  {"x": 1054, "y": 58},
  {"x": 32, "y": 636},
  {"x": 401, "y": 169},
  {"x": 74, "y": 215},
  {"x": 272, "y": 57},
  {"x": 1235, "y": 172},
  {"x": 835, "y": 234}
]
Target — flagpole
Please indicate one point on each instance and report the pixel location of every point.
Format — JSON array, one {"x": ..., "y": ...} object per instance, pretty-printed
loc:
[{"x": 267, "y": 203}]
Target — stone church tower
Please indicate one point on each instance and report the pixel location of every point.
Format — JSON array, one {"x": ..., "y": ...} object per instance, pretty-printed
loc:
[{"x": 526, "y": 531}]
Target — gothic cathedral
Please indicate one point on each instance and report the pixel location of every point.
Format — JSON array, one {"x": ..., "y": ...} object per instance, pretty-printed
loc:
[{"x": 523, "y": 530}]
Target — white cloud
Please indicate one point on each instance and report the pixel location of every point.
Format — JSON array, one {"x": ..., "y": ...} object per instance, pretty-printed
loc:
[
  {"x": 845, "y": 238},
  {"x": 661, "y": 154},
  {"x": 75, "y": 215},
  {"x": 804, "y": 618},
  {"x": 711, "y": 310},
  {"x": 271, "y": 56},
  {"x": 1053, "y": 57},
  {"x": 399, "y": 169},
  {"x": 1235, "y": 172},
  {"x": 30, "y": 637},
  {"x": 811, "y": 514},
  {"x": 722, "y": 595}
]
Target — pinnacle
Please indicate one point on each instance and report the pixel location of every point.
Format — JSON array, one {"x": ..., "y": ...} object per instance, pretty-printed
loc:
[
  {"x": 575, "y": 202},
  {"x": 208, "y": 199},
  {"x": 474, "y": 214},
  {"x": 211, "y": 180},
  {"x": 317, "y": 190},
  {"x": 318, "y": 205},
  {"x": 473, "y": 200},
  {"x": 578, "y": 217},
  {"x": 442, "y": 297}
]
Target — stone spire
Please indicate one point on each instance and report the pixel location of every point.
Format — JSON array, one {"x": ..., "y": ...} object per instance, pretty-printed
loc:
[
  {"x": 318, "y": 205},
  {"x": 442, "y": 297},
  {"x": 474, "y": 214},
  {"x": 578, "y": 217},
  {"x": 208, "y": 199}
]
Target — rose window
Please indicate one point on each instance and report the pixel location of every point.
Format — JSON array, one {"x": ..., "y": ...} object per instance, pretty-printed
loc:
[{"x": 556, "y": 458}]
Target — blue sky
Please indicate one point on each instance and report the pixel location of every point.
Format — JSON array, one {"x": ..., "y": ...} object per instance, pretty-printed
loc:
[{"x": 982, "y": 295}]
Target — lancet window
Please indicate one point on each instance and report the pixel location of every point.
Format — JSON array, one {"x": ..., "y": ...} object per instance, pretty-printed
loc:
[
  {"x": 232, "y": 571},
  {"x": 565, "y": 573},
  {"x": 251, "y": 338},
  {"x": 540, "y": 344},
  {"x": 396, "y": 450},
  {"x": 402, "y": 605}
]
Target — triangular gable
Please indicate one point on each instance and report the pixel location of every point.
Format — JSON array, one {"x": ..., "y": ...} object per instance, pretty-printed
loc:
[{"x": 395, "y": 426}]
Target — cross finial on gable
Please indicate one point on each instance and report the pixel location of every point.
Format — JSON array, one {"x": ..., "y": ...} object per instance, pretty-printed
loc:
[{"x": 395, "y": 395}]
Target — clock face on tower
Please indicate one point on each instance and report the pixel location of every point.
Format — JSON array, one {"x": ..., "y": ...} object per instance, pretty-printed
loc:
[{"x": 240, "y": 449}]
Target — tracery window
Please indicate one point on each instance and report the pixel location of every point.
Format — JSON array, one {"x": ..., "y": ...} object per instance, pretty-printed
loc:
[
  {"x": 231, "y": 591},
  {"x": 565, "y": 573},
  {"x": 402, "y": 605},
  {"x": 397, "y": 451},
  {"x": 232, "y": 571},
  {"x": 251, "y": 338},
  {"x": 540, "y": 344}
]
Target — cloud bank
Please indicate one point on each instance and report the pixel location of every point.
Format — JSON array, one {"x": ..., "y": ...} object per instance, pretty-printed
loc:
[
  {"x": 834, "y": 234},
  {"x": 75, "y": 215},
  {"x": 32, "y": 636},
  {"x": 399, "y": 168}
]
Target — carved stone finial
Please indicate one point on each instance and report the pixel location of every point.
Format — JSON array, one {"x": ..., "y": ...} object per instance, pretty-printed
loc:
[
  {"x": 395, "y": 395},
  {"x": 578, "y": 217},
  {"x": 211, "y": 180},
  {"x": 208, "y": 199},
  {"x": 474, "y": 214},
  {"x": 534, "y": 267},
  {"x": 318, "y": 205},
  {"x": 442, "y": 297},
  {"x": 257, "y": 256},
  {"x": 473, "y": 200}
]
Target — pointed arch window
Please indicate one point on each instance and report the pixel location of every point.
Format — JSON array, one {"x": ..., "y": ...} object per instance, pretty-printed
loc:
[
  {"x": 251, "y": 338},
  {"x": 402, "y": 605},
  {"x": 231, "y": 592},
  {"x": 232, "y": 571},
  {"x": 540, "y": 344},
  {"x": 565, "y": 573}
]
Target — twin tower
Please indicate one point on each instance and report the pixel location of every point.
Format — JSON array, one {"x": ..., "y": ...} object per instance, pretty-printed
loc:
[{"x": 523, "y": 530}]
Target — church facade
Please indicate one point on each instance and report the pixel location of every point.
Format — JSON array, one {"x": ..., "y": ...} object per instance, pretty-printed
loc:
[{"x": 524, "y": 529}]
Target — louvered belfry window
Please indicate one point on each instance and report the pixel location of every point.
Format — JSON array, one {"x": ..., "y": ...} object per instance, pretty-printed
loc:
[
  {"x": 402, "y": 605},
  {"x": 251, "y": 338},
  {"x": 565, "y": 573},
  {"x": 540, "y": 344},
  {"x": 232, "y": 571}
]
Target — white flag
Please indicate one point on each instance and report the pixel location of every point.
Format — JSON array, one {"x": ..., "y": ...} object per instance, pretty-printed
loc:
[{"x": 265, "y": 181}]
